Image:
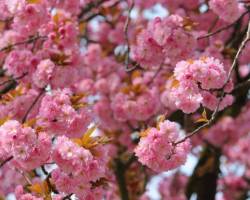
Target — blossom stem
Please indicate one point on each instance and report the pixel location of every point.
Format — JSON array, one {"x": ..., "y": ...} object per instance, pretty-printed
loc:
[
  {"x": 5, "y": 161},
  {"x": 32, "y": 105}
]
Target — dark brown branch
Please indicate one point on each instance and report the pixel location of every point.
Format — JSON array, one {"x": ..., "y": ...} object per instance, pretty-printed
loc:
[
  {"x": 89, "y": 7},
  {"x": 131, "y": 160},
  {"x": 50, "y": 186},
  {"x": 5, "y": 161},
  {"x": 203, "y": 181},
  {"x": 44, "y": 170},
  {"x": 246, "y": 1},
  {"x": 93, "y": 15},
  {"x": 13, "y": 79},
  {"x": 243, "y": 85},
  {"x": 12, "y": 85},
  {"x": 2, "y": 72},
  {"x": 120, "y": 170},
  {"x": 67, "y": 197}
]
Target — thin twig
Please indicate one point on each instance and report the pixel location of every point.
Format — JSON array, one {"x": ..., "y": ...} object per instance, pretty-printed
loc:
[
  {"x": 25, "y": 176},
  {"x": 13, "y": 79},
  {"x": 127, "y": 60},
  {"x": 223, "y": 28},
  {"x": 32, "y": 105},
  {"x": 28, "y": 41},
  {"x": 156, "y": 73},
  {"x": 5, "y": 161},
  {"x": 243, "y": 44},
  {"x": 213, "y": 24},
  {"x": 67, "y": 197},
  {"x": 93, "y": 15},
  {"x": 89, "y": 7},
  {"x": 12, "y": 85},
  {"x": 44, "y": 170}
]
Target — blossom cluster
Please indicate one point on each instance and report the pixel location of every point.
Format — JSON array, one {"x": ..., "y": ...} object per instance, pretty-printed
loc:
[
  {"x": 61, "y": 114},
  {"x": 164, "y": 41},
  {"x": 197, "y": 82},
  {"x": 28, "y": 149},
  {"x": 157, "y": 148},
  {"x": 78, "y": 167}
]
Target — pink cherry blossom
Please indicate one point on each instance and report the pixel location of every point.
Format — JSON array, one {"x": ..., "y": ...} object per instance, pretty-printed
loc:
[
  {"x": 28, "y": 150},
  {"x": 43, "y": 73},
  {"x": 228, "y": 10},
  {"x": 232, "y": 186},
  {"x": 157, "y": 149},
  {"x": 172, "y": 187},
  {"x": 57, "y": 114},
  {"x": 33, "y": 16},
  {"x": 74, "y": 159},
  {"x": 9, "y": 178},
  {"x": 19, "y": 63},
  {"x": 166, "y": 38},
  {"x": 196, "y": 81}
]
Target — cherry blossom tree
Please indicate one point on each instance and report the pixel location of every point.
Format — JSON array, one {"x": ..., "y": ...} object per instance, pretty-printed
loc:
[{"x": 98, "y": 97}]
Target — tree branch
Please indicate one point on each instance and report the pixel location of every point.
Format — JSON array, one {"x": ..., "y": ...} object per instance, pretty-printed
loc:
[
  {"x": 120, "y": 177},
  {"x": 127, "y": 60},
  {"x": 89, "y": 7},
  {"x": 28, "y": 41},
  {"x": 243, "y": 85},
  {"x": 5, "y": 161},
  {"x": 32, "y": 105},
  {"x": 67, "y": 197},
  {"x": 12, "y": 84},
  {"x": 13, "y": 79},
  {"x": 156, "y": 73}
]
